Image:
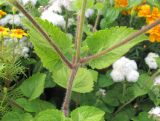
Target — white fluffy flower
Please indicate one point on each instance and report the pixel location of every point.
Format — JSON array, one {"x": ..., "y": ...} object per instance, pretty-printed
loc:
[
  {"x": 155, "y": 111},
  {"x": 125, "y": 68},
  {"x": 117, "y": 76},
  {"x": 24, "y": 2},
  {"x": 151, "y": 61},
  {"x": 54, "y": 18},
  {"x": 89, "y": 13},
  {"x": 157, "y": 80},
  {"x": 11, "y": 19},
  {"x": 55, "y": 7},
  {"x": 132, "y": 76}
]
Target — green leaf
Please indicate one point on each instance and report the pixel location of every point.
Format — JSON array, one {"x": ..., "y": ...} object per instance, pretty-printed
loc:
[
  {"x": 143, "y": 116},
  {"x": 44, "y": 50},
  {"x": 87, "y": 113},
  {"x": 50, "y": 115},
  {"x": 84, "y": 80},
  {"x": 104, "y": 39},
  {"x": 15, "y": 116},
  {"x": 111, "y": 14},
  {"x": 122, "y": 116},
  {"x": 140, "y": 88},
  {"x": 36, "y": 105},
  {"x": 105, "y": 80},
  {"x": 33, "y": 86}
]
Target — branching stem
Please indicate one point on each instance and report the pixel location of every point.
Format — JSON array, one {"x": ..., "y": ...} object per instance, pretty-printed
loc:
[
  {"x": 131, "y": 37},
  {"x": 44, "y": 34}
]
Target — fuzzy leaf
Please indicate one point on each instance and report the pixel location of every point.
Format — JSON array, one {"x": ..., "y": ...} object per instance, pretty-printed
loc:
[
  {"x": 107, "y": 38},
  {"x": 87, "y": 113},
  {"x": 34, "y": 105},
  {"x": 16, "y": 116},
  {"x": 83, "y": 82},
  {"x": 50, "y": 115},
  {"x": 33, "y": 86},
  {"x": 44, "y": 50}
]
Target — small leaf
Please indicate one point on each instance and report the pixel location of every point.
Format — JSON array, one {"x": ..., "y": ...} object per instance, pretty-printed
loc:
[
  {"x": 87, "y": 113},
  {"x": 50, "y": 115},
  {"x": 33, "y": 86}
]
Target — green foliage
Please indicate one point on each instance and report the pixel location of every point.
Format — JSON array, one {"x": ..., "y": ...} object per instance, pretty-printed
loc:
[
  {"x": 33, "y": 86},
  {"x": 44, "y": 50},
  {"x": 52, "y": 62},
  {"x": 87, "y": 113},
  {"x": 84, "y": 80},
  {"x": 34, "y": 106},
  {"x": 16, "y": 116},
  {"x": 104, "y": 39}
]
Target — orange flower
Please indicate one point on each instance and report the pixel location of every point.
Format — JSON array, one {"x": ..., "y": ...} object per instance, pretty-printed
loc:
[
  {"x": 3, "y": 31},
  {"x": 154, "y": 34},
  {"x": 2, "y": 13},
  {"x": 144, "y": 11},
  {"x": 121, "y": 3},
  {"x": 150, "y": 15},
  {"x": 18, "y": 33},
  {"x": 154, "y": 15}
]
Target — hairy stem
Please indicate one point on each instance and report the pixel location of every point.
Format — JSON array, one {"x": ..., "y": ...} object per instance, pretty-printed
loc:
[
  {"x": 76, "y": 58},
  {"x": 65, "y": 106},
  {"x": 80, "y": 30},
  {"x": 44, "y": 34},
  {"x": 131, "y": 37}
]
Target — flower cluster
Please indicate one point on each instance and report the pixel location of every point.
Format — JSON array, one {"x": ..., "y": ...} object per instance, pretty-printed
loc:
[
  {"x": 11, "y": 19},
  {"x": 52, "y": 13},
  {"x": 14, "y": 33},
  {"x": 157, "y": 80},
  {"x": 124, "y": 69},
  {"x": 121, "y": 3},
  {"x": 155, "y": 112},
  {"x": 151, "y": 14},
  {"x": 151, "y": 60},
  {"x": 16, "y": 37}
]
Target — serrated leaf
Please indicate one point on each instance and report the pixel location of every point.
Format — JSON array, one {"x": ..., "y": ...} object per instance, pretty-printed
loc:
[
  {"x": 83, "y": 82},
  {"x": 33, "y": 86},
  {"x": 44, "y": 50},
  {"x": 104, "y": 39},
  {"x": 50, "y": 115},
  {"x": 16, "y": 116},
  {"x": 87, "y": 113},
  {"x": 36, "y": 105}
]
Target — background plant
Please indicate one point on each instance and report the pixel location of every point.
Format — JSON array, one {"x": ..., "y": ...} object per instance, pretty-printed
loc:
[{"x": 63, "y": 60}]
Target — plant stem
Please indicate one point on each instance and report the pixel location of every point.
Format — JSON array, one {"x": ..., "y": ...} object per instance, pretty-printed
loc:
[
  {"x": 96, "y": 22},
  {"x": 65, "y": 106},
  {"x": 76, "y": 58},
  {"x": 131, "y": 37},
  {"x": 44, "y": 34},
  {"x": 80, "y": 30}
]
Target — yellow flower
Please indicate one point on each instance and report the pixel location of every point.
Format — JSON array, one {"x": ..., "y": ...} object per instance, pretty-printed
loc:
[
  {"x": 3, "y": 31},
  {"x": 154, "y": 34},
  {"x": 121, "y": 3},
  {"x": 2, "y": 13},
  {"x": 18, "y": 33}
]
